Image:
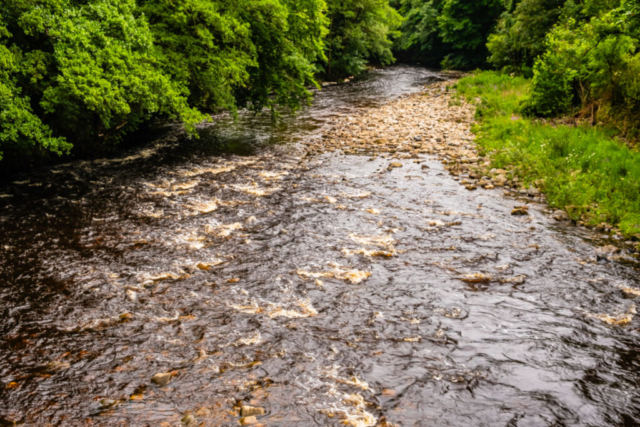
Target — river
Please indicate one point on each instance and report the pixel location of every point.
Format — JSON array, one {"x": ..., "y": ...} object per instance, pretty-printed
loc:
[{"x": 302, "y": 290}]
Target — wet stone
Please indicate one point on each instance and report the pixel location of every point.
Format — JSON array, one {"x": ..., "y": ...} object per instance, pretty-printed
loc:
[
  {"x": 560, "y": 215},
  {"x": 248, "y": 421},
  {"x": 520, "y": 210},
  {"x": 125, "y": 317},
  {"x": 161, "y": 379},
  {"x": 606, "y": 251},
  {"x": 107, "y": 403},
  {"x": 188, "y": 420},
  {"x": 248, "y": 411}
]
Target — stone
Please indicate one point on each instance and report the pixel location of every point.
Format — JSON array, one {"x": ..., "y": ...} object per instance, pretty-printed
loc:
[
  {"x": 520, "y": 210},
  {"x": 395, "y": 165},
  {"x": 499, "y": 179},
  {"x": 247, "y": 421},
  {"x": 107, "y": 403},
  {"x": 560, "y": 215},
  {"x": 249, "y": 411},
  {"x": 57, "y": 366},
  {"x": 203, "y": 412},
  {"x": 161, "y": 379},
  {"x": 607, "y": 251},
  {"x": 188, "y": 420}
]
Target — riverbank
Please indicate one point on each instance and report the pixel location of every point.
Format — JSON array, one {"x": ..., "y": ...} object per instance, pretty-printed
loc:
[{"x": 584, "y": 171}]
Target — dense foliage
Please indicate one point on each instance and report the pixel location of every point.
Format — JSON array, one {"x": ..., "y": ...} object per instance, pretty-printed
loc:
[
  {"x": 359, "y": 31},
  {"x": 583, "y": 55},
  {"x": 83, "y": 73},
  {"x": 451, "y": 32}
]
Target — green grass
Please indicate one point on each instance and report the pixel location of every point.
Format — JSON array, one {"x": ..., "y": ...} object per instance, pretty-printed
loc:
[{"x": 583, "y": 170}]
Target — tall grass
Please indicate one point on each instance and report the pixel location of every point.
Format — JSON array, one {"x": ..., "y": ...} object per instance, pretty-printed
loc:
[{"x": 583, "y": 170}]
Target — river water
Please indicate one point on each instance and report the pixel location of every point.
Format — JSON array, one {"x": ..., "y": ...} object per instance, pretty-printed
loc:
[{"x": 315, "y": 288}]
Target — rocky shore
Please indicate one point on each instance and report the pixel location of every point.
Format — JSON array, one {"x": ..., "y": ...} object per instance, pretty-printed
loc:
[
  {"x": 429, "y": 123},
  {"x": 436, "y": 123}
]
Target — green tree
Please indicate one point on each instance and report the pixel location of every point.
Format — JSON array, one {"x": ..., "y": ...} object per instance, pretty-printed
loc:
[
  {"x": 86, "y": 71},
  {"x": 83, "y": 73},
  {"x": 520, "y": 35},
  {"x": 359, "y": 31},
  {"x": 592, "y": 64},
  {"x": 288, "y": 35},
  {"x": 466, "y": 25},
  {"x": 448, "y": 32},
  {"x": 420, "y": 40}
]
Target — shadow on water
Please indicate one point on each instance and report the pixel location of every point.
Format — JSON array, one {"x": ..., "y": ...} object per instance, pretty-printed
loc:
[{"x": 244, "y": 273}]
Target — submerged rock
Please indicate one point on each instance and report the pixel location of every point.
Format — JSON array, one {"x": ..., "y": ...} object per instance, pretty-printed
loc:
[
  {"x": 161, "y": 379},
  {"x": 107, "y": 403},
  {"x": 520, "y": 210},
  {"x": 250, "y": 411},
  {"x": 247, "y": 421},
  {"x": 606, "y": 252},
  {"x": 188, "y": 420},
  {"x": 560, "y": 215}
]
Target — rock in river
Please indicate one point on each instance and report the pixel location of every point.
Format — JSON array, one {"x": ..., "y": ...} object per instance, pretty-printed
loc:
[
  {"x": 247, "y": 421},
  {"x": 249, "y": 411},
  {"x": 520, "y": 210},
  {"x": 161, "y": 379},
  {"x": 605, "y": 252}
]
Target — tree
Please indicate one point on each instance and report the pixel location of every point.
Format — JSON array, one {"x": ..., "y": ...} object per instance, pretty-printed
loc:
[
  {"x": 452, "y": 33},
  {"x": 359, "y": 31},
  {"x": 466, "y": 25}
]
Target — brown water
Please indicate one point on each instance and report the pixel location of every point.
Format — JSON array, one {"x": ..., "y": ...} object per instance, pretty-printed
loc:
[{"x": 246, "y": 278}]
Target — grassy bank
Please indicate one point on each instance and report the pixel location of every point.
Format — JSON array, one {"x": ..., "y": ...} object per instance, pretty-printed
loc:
[{"x": 582, "y": 170}]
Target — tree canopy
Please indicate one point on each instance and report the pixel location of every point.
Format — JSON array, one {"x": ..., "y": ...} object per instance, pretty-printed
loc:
[{"x": 81, "y": 74}]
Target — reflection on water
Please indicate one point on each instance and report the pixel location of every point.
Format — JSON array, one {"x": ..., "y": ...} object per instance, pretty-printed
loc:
[{"x": 265, "y": 285}]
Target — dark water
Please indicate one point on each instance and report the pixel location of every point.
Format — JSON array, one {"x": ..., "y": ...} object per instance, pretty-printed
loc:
[{"x": 175, "y": 259}]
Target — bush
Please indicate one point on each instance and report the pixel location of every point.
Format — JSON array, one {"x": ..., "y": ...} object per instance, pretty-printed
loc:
[{"x": 551, "y": 88}]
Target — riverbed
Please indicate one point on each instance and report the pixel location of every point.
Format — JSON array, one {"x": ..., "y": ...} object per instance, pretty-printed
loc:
[{"x": 298, "y": 282}]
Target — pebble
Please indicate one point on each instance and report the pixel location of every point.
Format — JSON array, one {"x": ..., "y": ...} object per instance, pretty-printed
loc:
[
  {"x": 107, "y": 403},
  {"x": 249, "y": 411},
  {"x": 520, "y": 210},
  {"x": 188, "y": 420},
  {"x": 606, "y": 251},
  {"x": 247, "y": 421},
  {"x": 161, "y": 379}
]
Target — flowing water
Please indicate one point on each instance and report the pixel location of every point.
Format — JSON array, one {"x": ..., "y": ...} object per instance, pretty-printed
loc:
[{"x": 316, "y": 288}]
